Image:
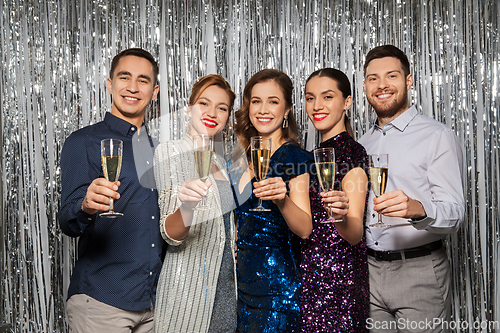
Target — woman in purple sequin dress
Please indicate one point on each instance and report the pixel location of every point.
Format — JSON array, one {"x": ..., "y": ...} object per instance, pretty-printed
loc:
[{"x": 335, "y": 293}]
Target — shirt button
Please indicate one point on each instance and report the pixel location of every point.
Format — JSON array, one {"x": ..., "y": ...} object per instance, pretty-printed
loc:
[
  {"x": 373, "y": 215},
  {"x": 376, "y": 243},
  {"x": 150, "y": 273},
  {"x": 152, "y": 217},
  {"x": 383, "y": 133},
  {"x": 153, "y": 245},
  {"x": 147, "y": 162},
  {"x": 132, "y": 128}
]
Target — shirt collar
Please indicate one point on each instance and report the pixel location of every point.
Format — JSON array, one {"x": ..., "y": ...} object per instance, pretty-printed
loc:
[
  {"x": 122, "y": 126},
  {"x": 401, "y": 122}
]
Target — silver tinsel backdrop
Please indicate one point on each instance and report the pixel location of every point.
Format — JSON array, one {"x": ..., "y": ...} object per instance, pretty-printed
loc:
[{"x": 55, "y": 58}]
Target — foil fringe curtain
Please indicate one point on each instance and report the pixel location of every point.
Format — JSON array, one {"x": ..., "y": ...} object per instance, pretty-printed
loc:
[{"x": 55, "y": 58}]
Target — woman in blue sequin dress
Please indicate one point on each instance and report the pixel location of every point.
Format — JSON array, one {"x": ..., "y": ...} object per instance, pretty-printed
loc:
[
  {"x": 269, "y": 242},
  {"x": 335, "y": 295}
]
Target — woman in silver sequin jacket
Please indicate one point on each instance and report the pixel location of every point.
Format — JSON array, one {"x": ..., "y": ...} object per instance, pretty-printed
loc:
[{"x": 197, "y": 284}]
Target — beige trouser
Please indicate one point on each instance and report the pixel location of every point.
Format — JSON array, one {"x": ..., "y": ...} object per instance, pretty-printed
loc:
[
  {"x": 410, "y": 295},
  {"x": 87, "y": 315}
]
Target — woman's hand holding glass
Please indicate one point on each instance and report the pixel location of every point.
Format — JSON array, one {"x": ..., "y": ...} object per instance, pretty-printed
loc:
[
  {"x": 336, "y": 204},
  {"x": 270, "y": 189},
  {"x": 192, "y": 191}
]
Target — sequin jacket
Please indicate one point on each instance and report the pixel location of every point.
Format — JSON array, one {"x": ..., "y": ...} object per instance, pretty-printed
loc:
[{"x": 188, "y": 279}]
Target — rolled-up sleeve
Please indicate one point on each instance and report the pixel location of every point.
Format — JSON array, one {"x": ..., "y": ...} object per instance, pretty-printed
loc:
[{"x": 446, "y": 208}]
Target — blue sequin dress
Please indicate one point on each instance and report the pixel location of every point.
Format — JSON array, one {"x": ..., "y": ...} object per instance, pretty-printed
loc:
[
  {"x": 335, "y": 294},
  {"x": 268, "y": 255}
]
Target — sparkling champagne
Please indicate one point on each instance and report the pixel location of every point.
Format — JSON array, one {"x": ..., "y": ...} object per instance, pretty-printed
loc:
[
  {"x": 203, "y": 163},
  {"x": 326, "y": 175},
  {"x": 260, "y": 161},
  {"x": 111, "y": 165},
  {"x": 378, "y": 180}
]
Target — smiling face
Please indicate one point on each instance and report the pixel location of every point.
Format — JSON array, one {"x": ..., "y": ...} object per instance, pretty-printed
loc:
[
  {"x": 132, "y": 88},
  {"x": 387, "y": 88},
  {"x": 268, "y": 109},
  {"x": 326, "y": 105},
  {"x": 210, "y": 112}
]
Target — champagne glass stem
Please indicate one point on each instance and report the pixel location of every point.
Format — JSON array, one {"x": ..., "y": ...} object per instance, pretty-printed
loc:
[
  {"x": 203, "y": 199},
  {"x": 331, "y": 218},
  {"x": 380, "y": 219},
  {"x": 111, "y": 209}
]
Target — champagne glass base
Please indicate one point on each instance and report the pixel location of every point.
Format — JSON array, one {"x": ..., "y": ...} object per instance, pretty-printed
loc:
[
  {"x": 203, "y": 207},
  {"x": 260, "y": 209},
  {"x": 111, "y": 214},
  {"x": 379, "y": 225},
  {"x": 331, "y": 220}
]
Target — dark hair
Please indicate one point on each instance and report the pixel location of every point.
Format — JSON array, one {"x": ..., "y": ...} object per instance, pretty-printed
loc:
[
  {"x": 244, "y": 128},
  {"x": 384, "y": 51},
  {"x": 212, "y": 80},
  {"x": 342, "y": 83},
  {"x": 137, "y": 52}
]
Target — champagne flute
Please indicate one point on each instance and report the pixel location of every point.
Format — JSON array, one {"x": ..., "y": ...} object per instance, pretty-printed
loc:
[
  {"x": 111, "y": 158},
  {"x": 379, "y": 171},
  {"x": 324, "y": 159},
  {"x": 260, "y": 150},
  {"x": 203, "y": 152}
]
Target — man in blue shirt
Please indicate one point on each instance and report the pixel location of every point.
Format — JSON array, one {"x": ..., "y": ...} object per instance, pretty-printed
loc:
[{"x": 113, "y": 283}]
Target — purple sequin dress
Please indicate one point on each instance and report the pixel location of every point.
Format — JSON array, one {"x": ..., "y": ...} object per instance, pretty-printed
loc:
[{"x": 335, "y": 293}]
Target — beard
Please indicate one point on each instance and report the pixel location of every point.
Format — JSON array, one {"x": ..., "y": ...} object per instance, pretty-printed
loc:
[{"x": 389, "y": 109}]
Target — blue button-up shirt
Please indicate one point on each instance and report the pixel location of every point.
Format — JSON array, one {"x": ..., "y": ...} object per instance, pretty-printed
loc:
[{"x": 119, "y": 259}]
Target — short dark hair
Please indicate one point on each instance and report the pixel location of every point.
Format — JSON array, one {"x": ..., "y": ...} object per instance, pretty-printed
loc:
[
  {"x": 342, "y": 83},
  {"x": 384, "y": 51},
  {"x": 137, "y": 52},
  {"x": 244, "y": 128}
]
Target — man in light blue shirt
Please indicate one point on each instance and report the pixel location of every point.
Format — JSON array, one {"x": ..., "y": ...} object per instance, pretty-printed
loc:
[{"x": 408, "y": 265}]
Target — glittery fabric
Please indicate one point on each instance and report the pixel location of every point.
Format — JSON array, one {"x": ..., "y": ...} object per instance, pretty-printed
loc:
[
  {"x": 335, "y": 292},
  {"x": 55, "y": 58},
  {"x": 268, "y": 256}
]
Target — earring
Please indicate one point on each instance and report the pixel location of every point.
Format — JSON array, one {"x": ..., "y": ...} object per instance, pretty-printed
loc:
[
  {"x": 347, "y": 112},
  {"x": 285, "y": 121}
]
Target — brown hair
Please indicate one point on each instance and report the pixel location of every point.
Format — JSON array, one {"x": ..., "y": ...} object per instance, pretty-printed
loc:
[
  {"x": 211, "y": 80},
  {"x": 137, "y": 52},
  {"x": 344, "y": 86},
  {"x": 244, "y": 128},
  {"x": 384, "y": 51}
]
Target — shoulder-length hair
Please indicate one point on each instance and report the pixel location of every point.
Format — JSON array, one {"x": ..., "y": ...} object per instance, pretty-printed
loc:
[{"x": 244, "y": 128}]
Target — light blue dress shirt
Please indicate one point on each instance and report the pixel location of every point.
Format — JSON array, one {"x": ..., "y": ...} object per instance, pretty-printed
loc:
[{"x": 425, "y": 162}]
